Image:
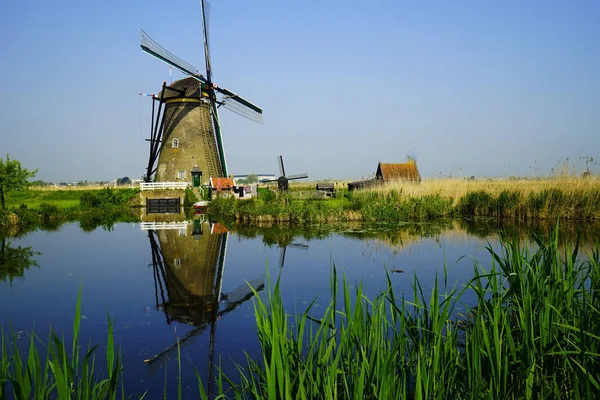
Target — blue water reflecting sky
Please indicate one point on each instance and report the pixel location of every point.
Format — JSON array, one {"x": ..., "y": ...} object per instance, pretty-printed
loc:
[{"x": 116, "y": 273}]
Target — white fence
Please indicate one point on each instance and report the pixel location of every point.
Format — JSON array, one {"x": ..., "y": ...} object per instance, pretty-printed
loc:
[
  {"x": 163, "y": 185},
  {"x": 146, "y": 226}
]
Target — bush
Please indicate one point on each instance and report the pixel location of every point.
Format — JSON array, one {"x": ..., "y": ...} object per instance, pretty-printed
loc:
[{"x": 190, "y": 198}]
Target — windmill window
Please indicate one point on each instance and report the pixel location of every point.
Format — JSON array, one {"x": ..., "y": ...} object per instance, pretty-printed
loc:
[
  {"x": 177, "y": 263},
  {"x": 181, "y": 174},
  {"x": 175, "y": 143},
  {"x": 183, "y": 232}
]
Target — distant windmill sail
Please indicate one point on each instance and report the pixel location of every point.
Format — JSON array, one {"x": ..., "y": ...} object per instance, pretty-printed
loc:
[{"x": 282, "y": 181}]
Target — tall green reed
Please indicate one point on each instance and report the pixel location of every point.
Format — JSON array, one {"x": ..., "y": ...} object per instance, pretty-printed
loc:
[
  {"x": 532, "y": 332},
  {"x": 65, "y": 373}
]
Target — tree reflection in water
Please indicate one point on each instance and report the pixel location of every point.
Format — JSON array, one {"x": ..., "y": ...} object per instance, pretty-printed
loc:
[{"x": 14, "y": 261}]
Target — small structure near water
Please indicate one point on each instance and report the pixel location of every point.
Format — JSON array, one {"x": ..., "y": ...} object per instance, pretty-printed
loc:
[
  {"x": 326, "y": 188},
  {"x": 387, "y": 173},
  {"x": 403, "y": 172}
]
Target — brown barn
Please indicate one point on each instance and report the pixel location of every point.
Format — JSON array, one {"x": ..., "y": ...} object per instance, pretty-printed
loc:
[{"x": 398, "y": 172}]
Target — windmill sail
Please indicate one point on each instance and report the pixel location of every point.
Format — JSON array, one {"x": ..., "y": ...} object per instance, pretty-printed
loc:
[
  {"x": 229, "y": 100},
  {"x": 297, "y": 176},
  {"x": 151, "y": 47},
  {"x": 281, "y": 168}
]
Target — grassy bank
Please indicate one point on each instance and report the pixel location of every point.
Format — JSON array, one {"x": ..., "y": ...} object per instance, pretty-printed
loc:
[
  {"x": 533, "y": 332},
  {"x": 518, "y": 200},
  {"x": 49, "y": 209}
]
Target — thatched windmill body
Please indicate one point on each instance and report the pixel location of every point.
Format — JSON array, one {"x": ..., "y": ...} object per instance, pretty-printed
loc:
[{"x": 186, "y": 143}]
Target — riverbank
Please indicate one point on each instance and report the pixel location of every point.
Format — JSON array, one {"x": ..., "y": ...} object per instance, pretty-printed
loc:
[
  {"x": 519, "y": 200},
  {"x": 48, "y": 209}
]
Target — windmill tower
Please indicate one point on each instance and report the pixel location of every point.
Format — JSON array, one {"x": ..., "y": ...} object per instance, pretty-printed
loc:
[{"x": 186, "y": 143}]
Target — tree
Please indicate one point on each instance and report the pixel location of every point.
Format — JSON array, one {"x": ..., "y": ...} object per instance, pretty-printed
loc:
[
  {"x": 252, "y": 178},
  {"x": 12, "y": 177}
]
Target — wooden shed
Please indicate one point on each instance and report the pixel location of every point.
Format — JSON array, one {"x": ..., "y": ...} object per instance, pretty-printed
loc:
[
  {"x": 326, "y": 188},
  {"x": 364, "y": 184}
]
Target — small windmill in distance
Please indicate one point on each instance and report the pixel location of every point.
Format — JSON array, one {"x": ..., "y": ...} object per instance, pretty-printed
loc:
[{"x": 283, "y": 180}]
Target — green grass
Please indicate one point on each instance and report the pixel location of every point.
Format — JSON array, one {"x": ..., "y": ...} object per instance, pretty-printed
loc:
[
  {"x": 34, "y": 198},
  {"x": 62, "y": 199},
  {"x": 50, "y": 209}
]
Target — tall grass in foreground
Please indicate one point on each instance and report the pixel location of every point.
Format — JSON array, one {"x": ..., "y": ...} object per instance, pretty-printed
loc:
[
  {"x": 533, "y": 333},
  {"x": 65, "y": 373}
]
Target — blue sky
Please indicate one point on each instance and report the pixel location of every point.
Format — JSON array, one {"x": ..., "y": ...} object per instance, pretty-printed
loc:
[{"x": 486, "y": 88}]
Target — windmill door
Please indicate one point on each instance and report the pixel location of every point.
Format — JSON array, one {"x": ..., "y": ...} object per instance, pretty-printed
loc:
[{"x": 196, "y": 179}]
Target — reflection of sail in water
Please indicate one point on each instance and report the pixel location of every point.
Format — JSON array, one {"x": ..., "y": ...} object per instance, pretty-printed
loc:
[
  {"x": 282, "y": 250},
  {"x": 188, "y": 261}
]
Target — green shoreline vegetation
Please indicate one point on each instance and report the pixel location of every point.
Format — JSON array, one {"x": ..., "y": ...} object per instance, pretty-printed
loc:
[
  {"x": 566, "y": 199},
  {"x": 533, "y": 332},
  {"x": 49, "y": 209},
  {"x": 570, "y": 198}
]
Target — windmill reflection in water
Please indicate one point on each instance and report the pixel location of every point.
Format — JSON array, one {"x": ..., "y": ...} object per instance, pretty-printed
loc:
[{"x": 188, "y": 261}]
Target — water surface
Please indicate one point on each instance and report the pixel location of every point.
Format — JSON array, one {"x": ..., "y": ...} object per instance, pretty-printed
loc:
[{"x": 188, "y": 281}]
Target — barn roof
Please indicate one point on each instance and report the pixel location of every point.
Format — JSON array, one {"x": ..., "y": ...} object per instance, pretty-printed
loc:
[
  {"x": 400, "y": 171},
  {"x": 221, "y": 183}
]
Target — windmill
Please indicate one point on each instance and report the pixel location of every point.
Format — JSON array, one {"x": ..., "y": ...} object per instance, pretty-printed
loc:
[
  {"x": 283, "y": 180},
  {"x": 186, "y": 142}
]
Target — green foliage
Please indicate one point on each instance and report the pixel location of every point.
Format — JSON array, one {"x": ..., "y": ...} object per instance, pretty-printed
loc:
[
  {"x": 252, "y": 178},
  {"x": 267, "y": 194},
  {"x": 190, "y": 198},
  {"x": 65, "y": 373},
  {"x": 533, "y": 333},
  {"x": 14, "y": 260},
  {"x": 106, "y": 198},
  {"x": 12, "y": 177}
]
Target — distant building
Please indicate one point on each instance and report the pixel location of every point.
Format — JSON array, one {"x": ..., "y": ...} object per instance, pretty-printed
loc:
[
  {"x": 221, "y": 186},
  {"x": 407, "y": 171},
  {"x": 386, "y": 173}
]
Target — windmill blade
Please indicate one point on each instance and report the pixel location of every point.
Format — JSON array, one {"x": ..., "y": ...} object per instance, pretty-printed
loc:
[
  {"x": 244, "y": 291},
  {"x": 297, "y": 176},
  {"x": 217, "y": 128},
  {"x": 237, "y": 104},
  {"x": 299, "y": 246},
  {"x": 205, "y": 6},
  {"x": 268, "y": 180},
  {"x": 281, "y": 168},
  {"x": 151, "y": 47},
  {"x": 281, "y": 256}
]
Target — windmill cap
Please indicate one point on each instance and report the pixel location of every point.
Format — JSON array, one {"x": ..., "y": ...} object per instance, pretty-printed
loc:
[{"x": 189, "y": 84}]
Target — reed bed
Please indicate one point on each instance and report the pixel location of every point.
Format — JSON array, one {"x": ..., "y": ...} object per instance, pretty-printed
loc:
[
  {"x": 518, "y": 200},
  {"x": 61, "y": 372},
  {"x": 533, "y": 333},
  {"x": 458, "y": 188}
]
